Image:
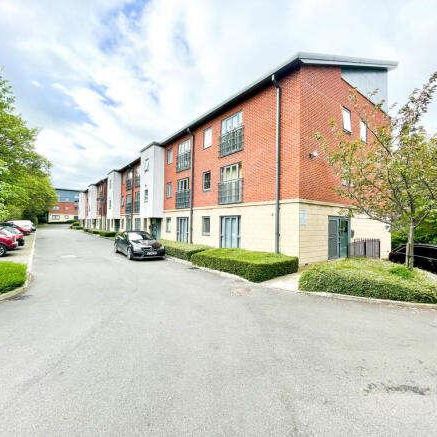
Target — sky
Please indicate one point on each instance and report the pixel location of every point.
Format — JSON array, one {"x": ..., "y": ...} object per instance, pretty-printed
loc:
[{"x": 103, "y": 78}]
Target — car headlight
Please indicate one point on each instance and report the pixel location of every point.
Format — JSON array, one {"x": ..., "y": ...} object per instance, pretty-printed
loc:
[{"x": 136, "y": 248}]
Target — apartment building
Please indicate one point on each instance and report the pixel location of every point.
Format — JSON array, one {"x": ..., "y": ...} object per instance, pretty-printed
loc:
[
  {"x": 250, "y": 173},
  {"x": 101, "y": 188},
  {"x": 66, "y": 208},
  {"x": 113, "y": 211}
]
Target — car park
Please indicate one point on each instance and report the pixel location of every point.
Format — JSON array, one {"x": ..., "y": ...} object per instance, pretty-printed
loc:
[
  {"x": 26, "y": 225},
  {"x": 19, "y": 236},
  {"x": 425, "y": 256},
  {"x": 138, "y": 245},
  {"x": 7, "y": 242},
  {"x": 24, "y": 231}
]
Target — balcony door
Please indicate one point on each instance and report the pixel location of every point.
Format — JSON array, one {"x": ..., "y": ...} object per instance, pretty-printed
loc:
[
  {"x": 230, "y": 231},
  {"x": 338, "y": 237},
  {"x": 230, "y": 173},
  {"x": 182, "y": 229}
]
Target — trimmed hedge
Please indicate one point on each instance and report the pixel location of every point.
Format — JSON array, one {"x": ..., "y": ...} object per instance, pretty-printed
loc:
[
  {"x": 370, "y": 278},
  {"x": 254, "y": 266},
  {"x": 12, "y": 275},
  {"x": 182, "y": 250},
  {"x": 107, "y": 233}
]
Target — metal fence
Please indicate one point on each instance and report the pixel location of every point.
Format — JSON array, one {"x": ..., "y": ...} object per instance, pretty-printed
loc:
[{"x": 365, "y": 247}]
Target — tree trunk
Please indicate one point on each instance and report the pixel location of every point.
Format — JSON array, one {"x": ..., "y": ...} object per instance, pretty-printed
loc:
[{"x": 409, "y": 251}]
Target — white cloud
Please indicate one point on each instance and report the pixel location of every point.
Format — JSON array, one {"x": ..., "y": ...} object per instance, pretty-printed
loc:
[{"x": 108, "y": 76}]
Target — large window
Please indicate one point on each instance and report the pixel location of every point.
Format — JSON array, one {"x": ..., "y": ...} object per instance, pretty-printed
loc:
[
  {"x": 207, "y": 138},
  {"x": 183, "y": 193},
  {"x": 231, "y": 184},
  {"x": 206, "y": 181},
  {"x": 231, "y": 139},
  {"x": 168, "y": 224},
  {"x": 347, "y": 123},
  {"x": 146, "y": 195},
  {"x": 206, "y": 225},
  {"x": 183, "y": 160},
  {"x": 231, "y": 123}
]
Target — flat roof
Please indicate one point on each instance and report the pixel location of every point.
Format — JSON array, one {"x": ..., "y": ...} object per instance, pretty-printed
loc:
[{"x": 283, "y": 69}]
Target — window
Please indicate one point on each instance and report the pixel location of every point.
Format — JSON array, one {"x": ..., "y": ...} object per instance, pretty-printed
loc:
[
  {"x": 347, "y": 124},
  {"x": 206, "y": 225},
  {"x": 230, "y": 231},
  {"x": 168, "y": 189},
  {"x": 67, "y": 217},
  {"x": 122, "y": 200},
  {"x": 363, "y": 131},
  {"x": 110, "y": 204},
  {"x": 146, "y": 195},
  {"x": 56, "y": 208},
  {"x": 207, "y": 138},
  {"x": 231, "y": 184},
  {"x": 182, "y": 229},
  {"x": 183, "y": 161},
  {"x": 137, "y": 224},
  {"x": 146, "y": 165},
  {"x": 169, "y": 156},
  {"x": 206, "y": 180},
  {"x": 168, "y": 224},
  {"x": 231, "y": 123},
  {"x": 109, "y": 184}
]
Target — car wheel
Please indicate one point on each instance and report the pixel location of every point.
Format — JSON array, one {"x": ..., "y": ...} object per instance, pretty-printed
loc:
[
  {"x": 2, "y": 250},
  {"x": 129, "y": 253}
]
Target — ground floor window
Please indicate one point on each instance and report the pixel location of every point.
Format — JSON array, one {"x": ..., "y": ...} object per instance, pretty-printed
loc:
[
  {"x": 128, "y": 224},
  {"x": 168, "y": 224},
  {"x": 138, "y": 224},
  {"x": 182, "y": 229},
  {"x": 338, "y": 237},
  {"x": 230, "y": 231},
  {"x": 206, "y": 225}
]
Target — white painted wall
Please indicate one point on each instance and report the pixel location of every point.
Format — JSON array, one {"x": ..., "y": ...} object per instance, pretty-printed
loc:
[
  {"x": 152, "y": 180},
  {"x": 113, "y": 195},
  {"x": 82, "y": 212},
  {"x": 92, "y": 202}
]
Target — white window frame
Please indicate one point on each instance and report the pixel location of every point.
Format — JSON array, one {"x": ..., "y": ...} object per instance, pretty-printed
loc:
[
  {"x": 233, "y": 122},
  {"x": 363, "y": 131},
  {"x": 347, "y": 119},
  {"x": 168, "y": 189},
  {"x": 203, "y": 180},
  {"x": 146, "y": 165},
  {"x": 207, "y": 137},
  {"x": 169, "y": 155},
  {"x": 206, "y": 219},
  {"x": 168, "y": 224}
]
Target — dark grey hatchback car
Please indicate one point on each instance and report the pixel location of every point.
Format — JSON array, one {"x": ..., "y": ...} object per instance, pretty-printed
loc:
[{"x": 138, "y": 245}]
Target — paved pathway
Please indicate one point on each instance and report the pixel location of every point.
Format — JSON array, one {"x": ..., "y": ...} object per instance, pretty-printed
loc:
[{"x": 101, "y": 345}]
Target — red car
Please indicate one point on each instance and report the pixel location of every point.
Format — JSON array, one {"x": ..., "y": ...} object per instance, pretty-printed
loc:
[
  {"x": 23, "y": 230},
  {"x": 10, "y": 231},
  {"x": 7, "y": 242}
]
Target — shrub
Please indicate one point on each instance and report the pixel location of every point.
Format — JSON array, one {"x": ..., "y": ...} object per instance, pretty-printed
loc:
[
  {"x": 182, "y": 250},
  {"x": 370, "y": 278},
  {"x": 107, "y": 233},
  {"x": 87, "y": 230},
  {"x": 254, "y": 266},
  {"x": 12, "y": 275},
  {"x": 95, "y": 231}
]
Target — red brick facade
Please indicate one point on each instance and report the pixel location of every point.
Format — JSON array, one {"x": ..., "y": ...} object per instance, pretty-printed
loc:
[{"x": 310, "y": 98}]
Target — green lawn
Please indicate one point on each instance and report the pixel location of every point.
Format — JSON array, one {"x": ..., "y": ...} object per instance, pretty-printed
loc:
[
  {"x": 12, "y": 275},
  {"x": 370, "y": 278}
]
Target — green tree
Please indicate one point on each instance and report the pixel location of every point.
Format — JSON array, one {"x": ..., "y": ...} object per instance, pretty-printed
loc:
[
  {"x": 25, "y": 187},
  {"x": 393, "y": 178}
]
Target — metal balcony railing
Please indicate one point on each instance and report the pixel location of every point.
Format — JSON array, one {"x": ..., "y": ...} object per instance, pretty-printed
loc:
[
  {"x": 231, "y": 142},
  {"x": 128, "y": 209},
  {"x": 137, "y": 181},
  {"x": 230, "y": 191},
  {"x": 183, "y": 199},
  {"x": 129, "y": 184},
  {"x": 183, "y": 161},
  {"x": 136, "y": 207}
]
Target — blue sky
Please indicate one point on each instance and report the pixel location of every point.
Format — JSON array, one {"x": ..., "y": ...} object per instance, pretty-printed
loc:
[{"x": 103, "y": 78}]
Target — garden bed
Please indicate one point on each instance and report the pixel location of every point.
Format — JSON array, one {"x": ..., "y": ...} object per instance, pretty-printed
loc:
[
  {"x": 370, "y": 278},
  {"x": 254, "y": 266},
  {"x": 12, "y": 275}
]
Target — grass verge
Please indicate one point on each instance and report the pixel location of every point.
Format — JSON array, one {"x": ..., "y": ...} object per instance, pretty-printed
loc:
[
  {"x": 12, "y": 275},
  {"x": 254, "y": 266},
  {"x": 370, "y": 278}
]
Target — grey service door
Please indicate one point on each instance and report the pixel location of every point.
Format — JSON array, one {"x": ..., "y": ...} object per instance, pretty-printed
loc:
[
  {"x": 230, "y": 231},
  {"x": 338, "y": 237}
]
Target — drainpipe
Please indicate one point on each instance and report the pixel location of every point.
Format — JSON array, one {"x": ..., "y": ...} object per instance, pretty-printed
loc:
[
  {"x": 191, "y": 185},
  {"x": 278, "y": 162}
]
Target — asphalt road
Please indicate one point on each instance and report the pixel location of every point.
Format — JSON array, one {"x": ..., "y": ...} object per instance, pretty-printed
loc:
[{"x": 101, "y": 345}]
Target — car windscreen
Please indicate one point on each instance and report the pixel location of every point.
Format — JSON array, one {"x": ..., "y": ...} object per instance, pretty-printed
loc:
[
  {"x": 138, "y": 236},
  {"x": 10, "y": 229}
]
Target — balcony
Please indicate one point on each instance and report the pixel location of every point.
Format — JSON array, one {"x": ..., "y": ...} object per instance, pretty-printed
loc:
[
  {"x": 231, "y": 142},
  {"x": 128, "y": 209},
  {"x": 137, "y": 181},
  {"x": 183, "y": 199},
  {"x": 230, "y": 191},
  {"x": 183, "y": 161},
  {"x": 136, "y": 207},
  {"x": 128, "y": 184}
]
